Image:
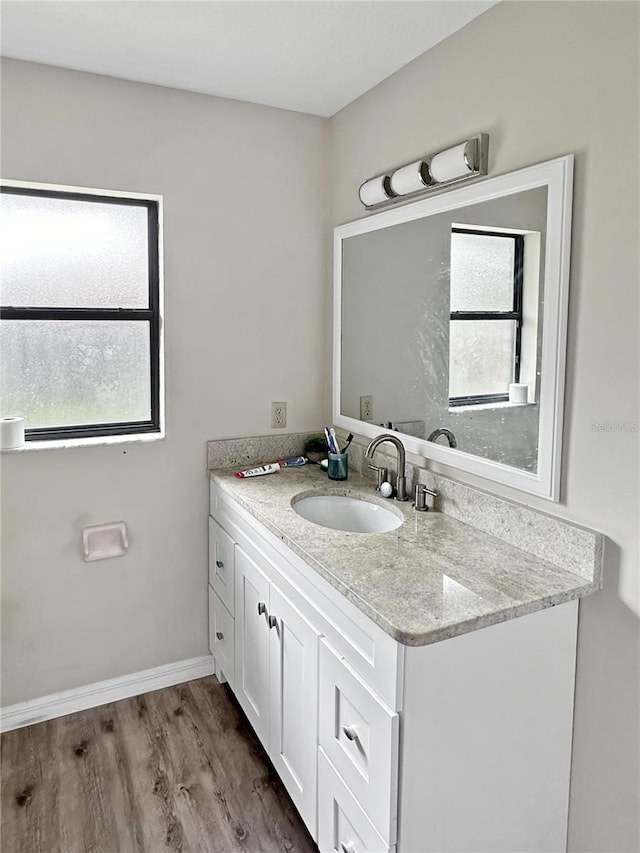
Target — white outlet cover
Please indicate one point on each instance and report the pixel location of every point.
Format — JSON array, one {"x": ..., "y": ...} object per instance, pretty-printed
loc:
[
  {"x": 366, "y": 407},
  {"x": 278, "y": 415}
]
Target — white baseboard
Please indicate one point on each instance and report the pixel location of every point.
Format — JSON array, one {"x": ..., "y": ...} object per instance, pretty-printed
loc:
[{"x": 101, "y": 692}]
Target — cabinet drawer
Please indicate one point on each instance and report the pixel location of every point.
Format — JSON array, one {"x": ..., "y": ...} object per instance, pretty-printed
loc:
[
  {"x": 359, "y": 734},
  {"x": 343, "y": 827},
  {"x": 221, "y": 559},
  {"x": 221, "y": 638}
]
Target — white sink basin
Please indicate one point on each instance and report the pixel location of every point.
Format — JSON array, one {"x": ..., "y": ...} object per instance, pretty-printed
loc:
[{"x": 342, "y": 512}]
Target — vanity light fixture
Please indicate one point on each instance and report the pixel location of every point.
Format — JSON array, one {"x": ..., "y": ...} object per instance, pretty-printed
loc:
[{"x": 468, "y": 159}]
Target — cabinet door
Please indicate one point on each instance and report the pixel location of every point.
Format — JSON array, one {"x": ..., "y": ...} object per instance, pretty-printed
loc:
[
  {"x": 294, "y": 704},
  {"x": 252, "y": 643}
]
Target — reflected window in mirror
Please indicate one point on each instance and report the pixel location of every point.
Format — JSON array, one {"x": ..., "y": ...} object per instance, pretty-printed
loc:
[{"x": 486, "y": 280}]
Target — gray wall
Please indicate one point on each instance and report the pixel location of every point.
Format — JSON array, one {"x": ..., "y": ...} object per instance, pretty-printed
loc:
[
  {"x": 245, "y": 256},
  {"x": 547, "y": 79}
]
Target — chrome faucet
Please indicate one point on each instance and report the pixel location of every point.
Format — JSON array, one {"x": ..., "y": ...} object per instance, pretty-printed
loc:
[
  {"x": 447, "y": 433},
  {"x": 401, "y": 479}
]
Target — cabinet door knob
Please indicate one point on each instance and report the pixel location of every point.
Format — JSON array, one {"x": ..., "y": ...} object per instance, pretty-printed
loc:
[
  {"x": 347, "y": 847},
  {"x": 219, "y": 564},
  {"x": 219, "y": 635},
  {"x": 272, "y": 621},
  {"x": 262, "y": 608},
  {"x": 350, "y": 732}
]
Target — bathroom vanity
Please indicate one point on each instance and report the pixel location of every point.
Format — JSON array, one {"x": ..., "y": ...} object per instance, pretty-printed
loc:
[{"x": 413, "y": 688}]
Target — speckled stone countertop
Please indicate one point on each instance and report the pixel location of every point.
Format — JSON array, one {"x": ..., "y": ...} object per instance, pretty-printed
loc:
[{"x": 432, "y": 578}]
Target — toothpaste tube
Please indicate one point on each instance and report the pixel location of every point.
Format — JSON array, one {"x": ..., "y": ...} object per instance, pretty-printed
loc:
[
  {"x": 272, "y": 468},
  {"x": 293, "y": 462}
]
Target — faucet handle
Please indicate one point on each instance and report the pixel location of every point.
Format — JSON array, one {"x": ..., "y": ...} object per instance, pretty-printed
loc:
[
  {"x": 381, "y": 475},
  {"x": 420, "y": 504}
]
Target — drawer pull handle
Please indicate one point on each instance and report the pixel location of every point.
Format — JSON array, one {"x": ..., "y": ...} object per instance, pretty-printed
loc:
[
  {"x": 273, "y": 622},
  {"x": 219, "y": 635},
  {"x": 262, "y": 608},
  {"x": 350, "y": 732},
  {"x": 347, "y": 847},
  {"x": 220, "y": 564}
]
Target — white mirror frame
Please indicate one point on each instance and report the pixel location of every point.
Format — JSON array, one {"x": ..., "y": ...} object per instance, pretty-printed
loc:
[{"x": 557, "y": 176}]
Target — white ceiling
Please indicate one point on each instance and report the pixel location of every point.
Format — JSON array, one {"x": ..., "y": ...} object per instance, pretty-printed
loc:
[{"x": 313, "y": 56}]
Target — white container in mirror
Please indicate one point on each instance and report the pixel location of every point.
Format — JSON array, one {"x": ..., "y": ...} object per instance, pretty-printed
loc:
[{"x": 518, "y": 392}]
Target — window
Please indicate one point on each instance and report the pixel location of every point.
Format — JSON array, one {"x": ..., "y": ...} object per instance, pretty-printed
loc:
[
  {"x": 486, "y": 315},
  {"x": 80, "y": 311}
]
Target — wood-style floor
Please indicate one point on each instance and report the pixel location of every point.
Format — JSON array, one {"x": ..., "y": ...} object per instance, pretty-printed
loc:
[{"x": 179, "y": 769}]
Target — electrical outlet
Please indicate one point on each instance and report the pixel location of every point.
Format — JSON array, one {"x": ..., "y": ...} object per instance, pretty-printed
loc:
[
  {"x": 278, "y": 415},
  {"x": 366, "y": 408}
]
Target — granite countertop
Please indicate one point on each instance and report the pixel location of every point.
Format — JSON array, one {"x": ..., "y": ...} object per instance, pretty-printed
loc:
[{"x": 432, "y": 578}]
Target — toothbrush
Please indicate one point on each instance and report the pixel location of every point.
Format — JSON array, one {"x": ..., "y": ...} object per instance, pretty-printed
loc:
[
  {"x": 349, "y": 440},
  {"x": 334, "y": 440},
  {"x": 330, "y": 441}
]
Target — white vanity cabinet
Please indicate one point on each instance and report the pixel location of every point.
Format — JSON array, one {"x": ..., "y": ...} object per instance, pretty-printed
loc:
[{"x": 462, "y": 744}]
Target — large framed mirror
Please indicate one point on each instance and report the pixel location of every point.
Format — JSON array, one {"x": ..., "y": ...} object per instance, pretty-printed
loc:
[{"x": 450, "y": 325}]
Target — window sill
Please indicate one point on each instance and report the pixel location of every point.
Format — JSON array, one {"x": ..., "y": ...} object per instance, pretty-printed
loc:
[
  {"x": 96, "y": 441},
  {"x": 481, "y": 406}
]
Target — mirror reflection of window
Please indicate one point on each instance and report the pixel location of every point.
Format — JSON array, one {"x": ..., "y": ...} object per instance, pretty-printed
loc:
[{"x": 486, "y": 315}]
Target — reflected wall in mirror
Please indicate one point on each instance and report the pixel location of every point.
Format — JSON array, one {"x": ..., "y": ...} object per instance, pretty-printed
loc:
[{"x": 450, "y": 317}]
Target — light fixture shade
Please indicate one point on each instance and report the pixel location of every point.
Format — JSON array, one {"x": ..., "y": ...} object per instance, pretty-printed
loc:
[
  {"x": 411, "y": 178},
  {"x": 376, "y": 190},
  {"x": 454, "y": 163},
  {"x": 467, "y": 160}
]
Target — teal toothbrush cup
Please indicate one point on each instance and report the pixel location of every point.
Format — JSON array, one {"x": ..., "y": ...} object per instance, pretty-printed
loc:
[{"x": 338, "y": 466}]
